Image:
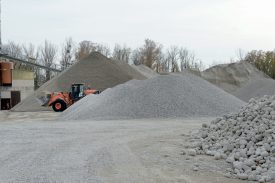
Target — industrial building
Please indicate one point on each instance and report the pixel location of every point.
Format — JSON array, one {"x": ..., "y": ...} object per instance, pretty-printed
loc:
[
  {"x": 16, "y": 83},
  {"x": 16, "y": 80}
]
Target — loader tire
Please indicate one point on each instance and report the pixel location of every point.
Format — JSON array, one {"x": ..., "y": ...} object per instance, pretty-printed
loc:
[{"x": 59, "y": 106}]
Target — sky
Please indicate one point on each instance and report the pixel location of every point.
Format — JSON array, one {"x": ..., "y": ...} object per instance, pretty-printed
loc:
[{"x": 213, "y": 29}]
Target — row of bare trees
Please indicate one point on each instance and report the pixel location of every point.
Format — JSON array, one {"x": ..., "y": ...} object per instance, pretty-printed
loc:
[
  {"x": 151, "y": 54},
  {"x": 173, "y": 59},
  {"x": 45, "y": 54}
]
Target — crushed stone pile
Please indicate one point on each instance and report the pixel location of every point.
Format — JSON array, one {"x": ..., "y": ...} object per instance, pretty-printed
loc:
[
  {"x": 232, "y": 76},
  {"x": 240, "y": 79},
  {"x": 96, "y": 71},
  {"x": 245, "y": 139},
  {"x": 165, "y": 96}
]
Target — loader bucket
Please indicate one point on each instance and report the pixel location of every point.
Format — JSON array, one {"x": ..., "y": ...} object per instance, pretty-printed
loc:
[{"x": 44, "y": 100}]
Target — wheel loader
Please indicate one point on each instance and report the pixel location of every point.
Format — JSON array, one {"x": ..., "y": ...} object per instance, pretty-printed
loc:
[{"x": 60, "y": 101}]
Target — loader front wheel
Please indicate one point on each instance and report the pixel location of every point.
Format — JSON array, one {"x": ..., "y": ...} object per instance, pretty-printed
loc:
[{"x": 59, "y": 106}]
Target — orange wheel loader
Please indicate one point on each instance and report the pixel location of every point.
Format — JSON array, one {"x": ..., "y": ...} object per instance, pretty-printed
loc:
[{"x": 60, "y": 101}]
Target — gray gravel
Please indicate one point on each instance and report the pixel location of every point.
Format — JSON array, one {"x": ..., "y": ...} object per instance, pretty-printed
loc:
[
  {"x": 168, "y": 96},
  {"x": 131, "y": 151},
  {"x": 240, "y": 79},
  {"x": 231, "y": 77}
]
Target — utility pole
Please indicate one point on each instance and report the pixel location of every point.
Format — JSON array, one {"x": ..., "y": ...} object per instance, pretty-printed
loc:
[{"x": 0, "y": 26}]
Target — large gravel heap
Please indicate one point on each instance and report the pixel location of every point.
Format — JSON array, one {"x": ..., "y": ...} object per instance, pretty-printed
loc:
[
  {"x": 166, "y": 96},
  {"x": 232, "y": 76},
  {"x": 245, "y": 139},
  {"x": 240, "y": 79},
  {"x": 95, "y": 71}
]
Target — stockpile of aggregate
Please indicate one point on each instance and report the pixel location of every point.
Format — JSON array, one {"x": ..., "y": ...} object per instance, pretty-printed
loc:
[
  {"x": 240, "y": 79},
  {"x": 165, "y": 96},
  {"x": 245, "y": 139},
  {"x": 232, "y": 76},
  {"x": 96, "y": 71}
]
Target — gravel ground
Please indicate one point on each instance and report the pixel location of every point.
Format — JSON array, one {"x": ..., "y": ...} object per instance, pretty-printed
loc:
[
  {"x": 6, "y": 116},
  {"x": 168, "y": 96},
  {"x": 103, "y": 151}
]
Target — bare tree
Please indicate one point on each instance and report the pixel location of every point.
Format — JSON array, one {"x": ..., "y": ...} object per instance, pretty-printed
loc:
[
  {"x": 30, "y": 52},
  {"x": 137, "y": 57},
  {"x": 32, "y": 55},
  {"x": 150, "y": 54},
  {"x": 172, "y": 58},
  {"x": 13, "y": 49},
  {"x": 103, "y": 49},
  {"x": 240, "y": 54},
  {"x": 161, "y": 64},
  {"x": 85, "y": 48},
  {"x": 122, "y": 53},
  {"x": 188, "y": 60},
  {"x": 184, "y": 58},
  {"x": 48, "y": 53},
  {"x": 68, "y": 53}
]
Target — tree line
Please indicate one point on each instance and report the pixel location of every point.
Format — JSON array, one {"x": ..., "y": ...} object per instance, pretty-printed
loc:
[
  {"x": 151, "y": 53},
  {"x": 262, "y": 60}
]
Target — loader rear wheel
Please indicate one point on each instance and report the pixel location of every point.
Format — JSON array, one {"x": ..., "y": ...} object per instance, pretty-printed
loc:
[{"x": 59, "y": 106}]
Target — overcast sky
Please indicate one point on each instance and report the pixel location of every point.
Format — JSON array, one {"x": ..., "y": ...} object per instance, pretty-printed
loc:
[{"x": 213, "y": 29}]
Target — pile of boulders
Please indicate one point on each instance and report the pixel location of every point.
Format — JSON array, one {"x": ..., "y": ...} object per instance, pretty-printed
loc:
[{"x": 246, "y": 140}]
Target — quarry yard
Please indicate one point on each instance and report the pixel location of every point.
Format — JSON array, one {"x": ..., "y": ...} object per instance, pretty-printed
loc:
[
  {"x": 144, "y": 150},
  {"x": 137, "y": 91},
  {"x": 137, "y": 125}
]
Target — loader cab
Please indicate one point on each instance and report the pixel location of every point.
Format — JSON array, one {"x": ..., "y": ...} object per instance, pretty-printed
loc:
[{"x": 77, "y": 91}]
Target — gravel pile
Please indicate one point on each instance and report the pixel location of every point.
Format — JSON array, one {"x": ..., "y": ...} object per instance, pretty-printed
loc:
[
  {"x": 165, "y": 96},
  {"x": 231, "y": 77},
  {"x": 96, "y": 71},
  {"x": 245, "y": 139},
  {"x": 240, "y": 79}
]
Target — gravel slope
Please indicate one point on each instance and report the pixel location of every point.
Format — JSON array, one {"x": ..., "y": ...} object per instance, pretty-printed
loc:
[
  {"x": 168, "y": 96},
  {"x": 231, "y": 77},
  {"x": 240, "y": 79}
]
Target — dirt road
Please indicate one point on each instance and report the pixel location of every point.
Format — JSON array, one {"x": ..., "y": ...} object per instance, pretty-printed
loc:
[{"x": 102, "y": 151}]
